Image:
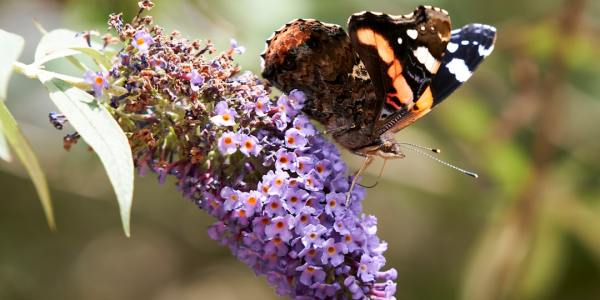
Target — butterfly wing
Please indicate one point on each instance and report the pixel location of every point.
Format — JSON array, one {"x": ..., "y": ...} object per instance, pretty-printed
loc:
[
  {"x": 401, "y": 55},
  {"x": 468, "y": 47}
]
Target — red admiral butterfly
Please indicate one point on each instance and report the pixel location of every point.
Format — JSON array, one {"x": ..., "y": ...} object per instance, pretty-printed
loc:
[{"x": 387, "y": 73}]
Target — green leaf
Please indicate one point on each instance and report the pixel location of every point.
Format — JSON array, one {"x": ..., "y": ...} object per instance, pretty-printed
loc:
[
  {"x": 25, "y": 154},
  {"x": 4, "y": 151},
  {"x": 61, "y": 43},
  {"x": 12, "y": 46},
  {"x": 98, "y": 128}
]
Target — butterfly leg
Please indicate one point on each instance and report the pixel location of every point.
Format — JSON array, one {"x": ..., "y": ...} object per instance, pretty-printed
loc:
[{"x": 368, "y": 160}]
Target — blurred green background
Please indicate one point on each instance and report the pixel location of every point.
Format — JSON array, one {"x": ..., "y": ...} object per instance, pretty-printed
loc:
[{"x": 528, "y": 122}]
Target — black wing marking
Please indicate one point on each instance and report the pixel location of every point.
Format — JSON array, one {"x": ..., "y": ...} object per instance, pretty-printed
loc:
[{"x": 467, "y": 48}]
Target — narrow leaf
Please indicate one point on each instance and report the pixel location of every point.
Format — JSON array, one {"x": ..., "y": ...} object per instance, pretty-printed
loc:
[
  {"x": 25, "y": 154},
  {"x": 99, "y": 130},
  {"x": 61, "y": 43},
  {"x": 12, "y": 46},
  {"x": 4, "y": 151}
]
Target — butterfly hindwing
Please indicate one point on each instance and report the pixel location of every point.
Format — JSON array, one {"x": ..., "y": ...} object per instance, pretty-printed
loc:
[
  {"x": 401, "y": 54},
  {"x": 468, "y": 47}
]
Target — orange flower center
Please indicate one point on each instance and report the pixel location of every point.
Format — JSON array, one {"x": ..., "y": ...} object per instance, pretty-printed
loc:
[
  {"x": 227, "y": 140},
  {"x": 283, "y": 160},
  {"x": 251, "y": 200},
  {"x": 278, "y": 181},
  {"x": 279, "y": 225},
  {"x": 226, "y": 117},
  {"x": 310, "y": 269},
  {"x": 320, "y": 169},
  {"x": 99, "y": 80},
  {"x": 291, "y": 140},
  {"x": 248, "y": 145},
  {"x": 331, "y": 250},
  {"x": 140, "y": 41},
  {"x": 348, "y": 238},
  {"x": 274, "y": 205},
  {"x": 294, "y": 199},
  {"x": 242, "y": 213},
  {"x": 303, "y": 218},
  {"x": 332, "y": 203}
]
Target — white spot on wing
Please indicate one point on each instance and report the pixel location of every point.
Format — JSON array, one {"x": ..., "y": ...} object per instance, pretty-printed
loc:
[
  {"x": 399, "y": 41},
  {"x": 459, "y": 69},
  {"x": 485, "y": 52},
  {"x": 413, "y": 34},
  {"x": 452, "y": 47},
  {"x": 464, "y": 42},
  {"x": 424, "y": 56}
]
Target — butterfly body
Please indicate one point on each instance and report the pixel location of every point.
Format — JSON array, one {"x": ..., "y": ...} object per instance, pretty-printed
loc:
[{"x": 385, "y": 74}]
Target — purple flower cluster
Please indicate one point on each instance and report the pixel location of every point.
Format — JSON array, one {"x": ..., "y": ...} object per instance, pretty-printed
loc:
[
  {"x": 293, "y": 226},
  {"x": 275, "y": 185}
]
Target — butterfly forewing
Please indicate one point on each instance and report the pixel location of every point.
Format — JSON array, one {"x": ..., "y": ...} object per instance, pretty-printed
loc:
[
  {"x": 401, "y": 54},
  {"x": 468, "y": 47}
]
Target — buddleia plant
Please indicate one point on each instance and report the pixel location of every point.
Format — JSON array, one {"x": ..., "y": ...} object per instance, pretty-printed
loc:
[{"x": 157, "y": 103}]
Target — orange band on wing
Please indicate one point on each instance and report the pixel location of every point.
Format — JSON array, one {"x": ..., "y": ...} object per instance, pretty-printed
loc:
[
  {"x": 403, "y": 91},
  {"x": 424, "y": 103},
  {"x": 369, "y": 37}
]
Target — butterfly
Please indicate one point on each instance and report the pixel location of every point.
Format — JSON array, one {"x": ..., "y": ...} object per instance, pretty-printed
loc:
[{"x": 385, "y": 74}]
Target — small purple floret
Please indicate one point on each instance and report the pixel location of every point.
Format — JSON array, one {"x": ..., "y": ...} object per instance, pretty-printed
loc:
[
  {"x": 98, "y": 80},
  {"x": 142, "y": 41}
]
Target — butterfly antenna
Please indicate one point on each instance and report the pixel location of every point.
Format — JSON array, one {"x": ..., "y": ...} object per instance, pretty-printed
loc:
[
  {"x": 434, "y": 150},
  {"x": 416, "y": 149}
]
